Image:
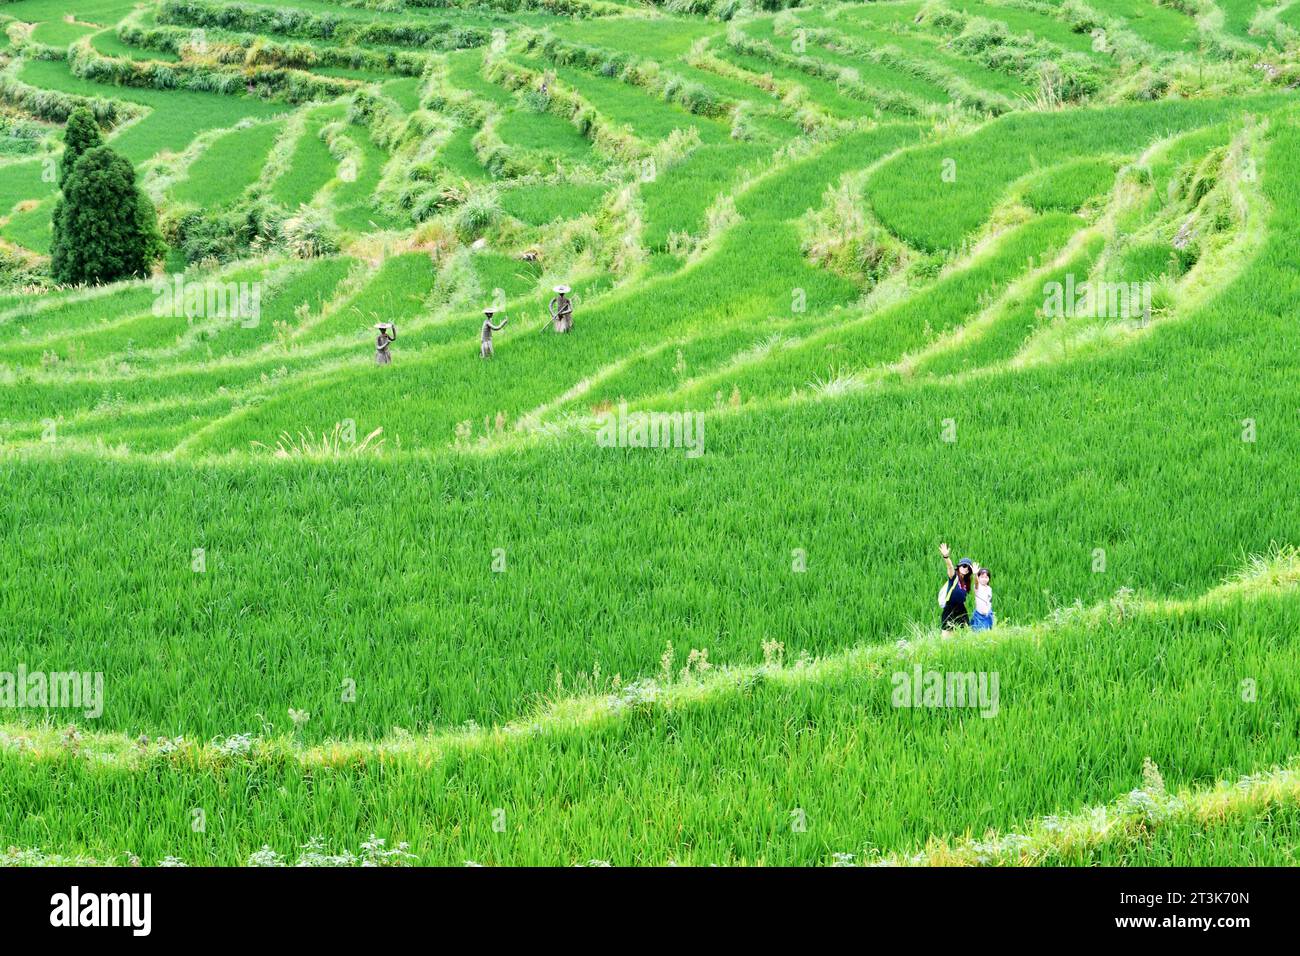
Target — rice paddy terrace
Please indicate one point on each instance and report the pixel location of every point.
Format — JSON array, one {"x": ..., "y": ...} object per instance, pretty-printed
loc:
[{"x": 334, "y": 602}]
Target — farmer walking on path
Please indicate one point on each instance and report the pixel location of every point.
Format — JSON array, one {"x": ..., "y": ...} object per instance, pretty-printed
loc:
[
  {"x": 561, "y": 309},
  {"x": 387, "y": 336},
  {"x": 485, "y": 343}
]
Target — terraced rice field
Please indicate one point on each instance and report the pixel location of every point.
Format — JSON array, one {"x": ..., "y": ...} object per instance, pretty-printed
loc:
[{"x": 450, "y": 603}]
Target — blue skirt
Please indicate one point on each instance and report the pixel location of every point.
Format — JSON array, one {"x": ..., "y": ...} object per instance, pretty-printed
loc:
[{"x": 981, "y": 622}]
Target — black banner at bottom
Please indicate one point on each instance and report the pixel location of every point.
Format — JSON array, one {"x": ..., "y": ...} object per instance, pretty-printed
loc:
[{"x": 338, "y": 906}]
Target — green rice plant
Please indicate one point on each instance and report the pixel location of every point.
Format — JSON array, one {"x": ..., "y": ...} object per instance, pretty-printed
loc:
[
  {"x": 538, "y": 204},
  {"x": 1069, "y": 186},
  {"x": 60, "y": 32},
  {"x": 42, "y": 316},
  {"x": 457, "y": 155},
  {"x": 408, "y": 28},
  {"x": 227, "y": 167},
  {"x": 657, "y": 742},
  {"x": 351, "y": 193},
  {"x": 337, "y": 443},
  {"x": 548, "y": 133},
  {"x": 31, "y": 228},
  {"x": 889, "y": 335},
  {"x": 848, "y": 312},
  {"x": 936, "y": 210},
  {"x": 103, "y": 12},
  {"x": 646, "y": 115},
  {"x": 1025, "y": 21},
  {"x": 612, "y": 139},
  {"x": 128, "y": 325},
  {"x": 24, "y": 180},
  {"x": 884, "y": 75},
  {"x": 1164, "y": 27},
  {"x": 311, "y": 166},
  {"x": 824, "y": 93},
  {"x": 396, "y": 292},
  {"x": 156, "y": 336},
  {"x": 1147, "y": 824},
  {"x": 109, "y": 43},
  {"x": 677, "y": 199},
  {"x": 464, "y": 71},
  {"x": 174, "y": 119},
  {"x": 917, "y": 47},
  {"x": 405, "y": 92},
  {"x": 1014, "y": 320},
  {"x": 662, "y": 39},
  {"x": 512, "y": 277}
]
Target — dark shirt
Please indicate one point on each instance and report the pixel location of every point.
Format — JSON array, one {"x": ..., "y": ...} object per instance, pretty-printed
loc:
[{"x": 954, "y": 612}]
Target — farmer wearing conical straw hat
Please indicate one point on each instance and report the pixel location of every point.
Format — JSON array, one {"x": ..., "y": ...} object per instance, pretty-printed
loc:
[
  {"x": 485, "y": 342},
  {"x": 561, "y": 309},
  {"x": 387, "y": 336}
]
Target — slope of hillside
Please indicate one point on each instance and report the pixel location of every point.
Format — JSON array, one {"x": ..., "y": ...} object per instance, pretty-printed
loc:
[{"x": 833, "y": 241}]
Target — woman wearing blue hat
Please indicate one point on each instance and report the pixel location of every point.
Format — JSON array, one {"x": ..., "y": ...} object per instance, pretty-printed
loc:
[{"x": 952, "y": 596}]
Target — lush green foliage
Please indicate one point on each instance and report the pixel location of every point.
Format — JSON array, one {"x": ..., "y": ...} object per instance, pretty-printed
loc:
[
  {"x": 105, "y": 229},
  {"x": 337, "y": 597},
  {"x": 82, "y": 134}
]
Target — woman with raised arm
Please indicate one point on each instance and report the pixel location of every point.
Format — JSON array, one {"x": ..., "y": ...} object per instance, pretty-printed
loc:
[{"x": 952, "y": 596}]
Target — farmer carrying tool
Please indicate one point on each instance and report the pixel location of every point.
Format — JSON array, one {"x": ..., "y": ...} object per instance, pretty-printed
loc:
[
  {"x": 387, "y": 336},
  {"x": 561, "y": 309},
  {"x": 485, "y": 344}
]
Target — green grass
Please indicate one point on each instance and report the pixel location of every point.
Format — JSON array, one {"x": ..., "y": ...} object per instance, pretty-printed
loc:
[
  {"x": 228, "y": 167},
  {"x": 60, "y": 33},
  {"x": 108, "y": 43},
  {"x": 1029, "y": 22},
  {"x": 175, "y": 117},
  {"x": 912, "y": 197},
  {"x": 642, "y": 655},
  {"x": 638, "y": 782},
  {"x": 457, "y": 155},
  {"x": 646, "y": 115},
  {"x": 1163, "y": 27},
  {"x": 311, "y": 166},
  {"x": 541, "y": 204},
  {"x": 548, "y": 133},
  {"x": 353, "y": 209},
  {"x": 396, "y": 292},
  {"x": 921, "y": 48},
  {"x": 1070, "y": 185},
  {"x": 105, "y": 12}
]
